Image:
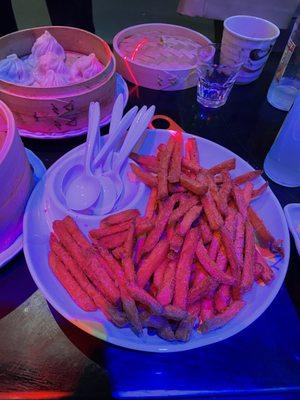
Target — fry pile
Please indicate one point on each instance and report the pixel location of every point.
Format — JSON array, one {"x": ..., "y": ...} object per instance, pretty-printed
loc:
[{"x": 186, "y": 263}]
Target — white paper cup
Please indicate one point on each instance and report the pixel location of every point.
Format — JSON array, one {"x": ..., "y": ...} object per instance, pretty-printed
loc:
[{"x": 255, "y": 37}]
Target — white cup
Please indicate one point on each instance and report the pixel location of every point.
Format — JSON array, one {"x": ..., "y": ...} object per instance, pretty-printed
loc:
[{"x": 255, "y": 37}]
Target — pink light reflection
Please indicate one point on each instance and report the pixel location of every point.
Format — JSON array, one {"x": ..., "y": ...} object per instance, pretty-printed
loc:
[
  {"x": 138, "y": 47},
  {"x": 134, "y": 91}
]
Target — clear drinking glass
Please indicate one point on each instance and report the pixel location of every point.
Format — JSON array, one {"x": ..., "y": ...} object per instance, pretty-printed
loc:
[{"x": 217, "y": 71}]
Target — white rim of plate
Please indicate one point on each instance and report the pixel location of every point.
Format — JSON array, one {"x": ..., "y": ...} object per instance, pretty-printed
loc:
[
  {"x": 121, "y": 87},
  {"x": 38, "y": 171}
]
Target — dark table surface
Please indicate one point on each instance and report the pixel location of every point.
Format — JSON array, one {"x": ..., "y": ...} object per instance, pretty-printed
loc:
[{"x": 44, "y": 356}]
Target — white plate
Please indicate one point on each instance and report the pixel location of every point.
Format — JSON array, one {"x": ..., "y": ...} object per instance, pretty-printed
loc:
[
  {"x": 121, "y": 87},
  {"x": 38, "y": 171},
  {"x": 36, "y": 248},
  {"x": 292, "y": 213}
]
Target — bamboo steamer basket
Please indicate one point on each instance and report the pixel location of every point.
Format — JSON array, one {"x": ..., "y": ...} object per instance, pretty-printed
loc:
[
  {"x": 65, "y": 108},
  {"x": 152, "y": 76}
]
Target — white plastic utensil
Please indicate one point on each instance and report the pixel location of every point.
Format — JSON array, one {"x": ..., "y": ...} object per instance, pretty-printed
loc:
[
  {"x": 116, "y": 116},
  {"x": 113, "y": 140},
  {"x": 110, "y": 179},
  {"x": 135, "y": 132},
  {"x": 84, "y": 190}
]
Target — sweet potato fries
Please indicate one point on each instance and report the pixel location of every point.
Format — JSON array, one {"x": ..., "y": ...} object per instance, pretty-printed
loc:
[{"x": 186, "y": 263}]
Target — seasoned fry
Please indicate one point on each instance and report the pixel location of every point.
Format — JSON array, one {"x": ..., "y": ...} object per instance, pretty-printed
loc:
[
  {"x": 185, "y": 328},
  {"x": 76, "y": 233},
  {"x": 197, "y": 186},
  {"x": 214, "y": 191},
  {"x": 184, "y": 206},
  {"x": 264, "y": 235},
  {"x": 210, "y": 266},
  {"x": 68, "y": 242},
  {"x": 109, "y": 230},
  {"x": 113, "y": 265},
  {"x": 176, "y": 188},
  {"x": 129, "y": 270},
  {"x": 139, "y": 250},
  {"x": 149, "y": 265},
  {"x": 175, "y": 164},
  {"x": 225, "y": 191},
  {"x": 213, "y": 215},
  {"x": 230, "y": 252},
  {"x": 144, "y": 297},
  {"x": 188, "y": 219},
  {"x": 120, "y": 217},
  {"x": 172, "y": 255},
  {"x": 183, "y": 272},
  {"x": 170, "y": 231},
  {"x": 240, "y": 201},
  {"x": 222, "y": 298},
  {"x": 218, "y": 179},
  {"x": 143, "y": 225},
  {"x": 152, "y": 203},
  {"x": 160, "y": 224},
  {"x": 148, "y": 162},
  {"x": 192, "y": 150},
  {"x": 247, "y": 192},
  {"x": 174, "y": 313},
  {"x": 202, "y": 286},
  {"x": 176, "y": 242},
  {"x": 239, "y": 239},
  {"x": 166, "y": 290},
  {"x": 261, "y": 230},
  {"x": 129, "y": 240},
  {"x": 247, "y": 272},
  {"x": 221, "y": 261},
  {"x": 207, "y": 310},
  {"x": 112, "y": 241},
  {"x": 257, "y": 271},
  {"x": 159, "y": 274},
  {"x": 224, "y": 165},
  {"x": 259, "y": 191},
  {"x": 221, "y": 319},
  {"x": 131, "y": 311},
  {"x": 206, "y": 233},
  {"x": 214, "y": 246},
  {"x": 159, "y": 323},
  {"x": 164, "y": 157},
  {"x": 267, "y": 273},
  {"x": 190, "y": 165},
  {"x": 81, "y": 298},
  {"x": 119, "y": 253},
  {"x": 195, "y": 308},
  {"x": 231, "y": 223},
  {"x": 248, "y": 176},
  {"x": 100, "y": 278},
  {"x": 146, "y": 177}
]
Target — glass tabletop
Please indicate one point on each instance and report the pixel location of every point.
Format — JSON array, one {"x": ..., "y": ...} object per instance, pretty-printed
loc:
[{"x": 44, "y": 356}]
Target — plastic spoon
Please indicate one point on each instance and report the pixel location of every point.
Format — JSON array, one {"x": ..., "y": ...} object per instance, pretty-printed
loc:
[
  {"x": 134, "y": 134},
  {"x": 116, "y": 117},
  {"x": 110, "y": 194},
  {"x": 113, "y": 140},
  {"x": 84, "y": 190}
]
